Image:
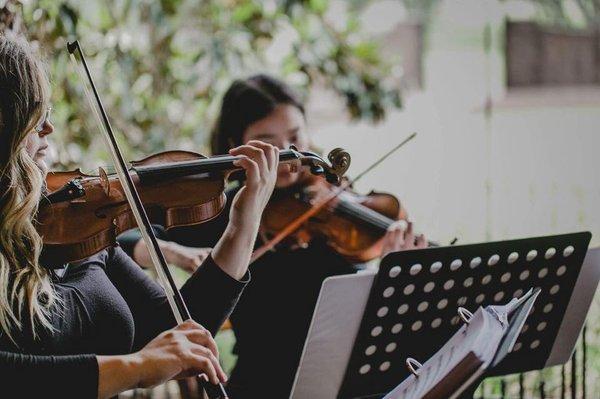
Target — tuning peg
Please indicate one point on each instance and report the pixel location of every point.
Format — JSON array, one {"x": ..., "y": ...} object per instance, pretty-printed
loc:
[{"x": 317, "y": 169}]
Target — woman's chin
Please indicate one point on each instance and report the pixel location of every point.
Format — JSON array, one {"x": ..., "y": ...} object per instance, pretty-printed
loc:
[{"x": 42, "y": 166}]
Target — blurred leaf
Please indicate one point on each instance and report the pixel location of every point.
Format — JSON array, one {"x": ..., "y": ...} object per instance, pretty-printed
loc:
[
  {"x": 319, "y": 6},
  {"x": 245, "y": 11},
  {"x": 367, "y": 51},
  {"x": 161, "y": 67}
]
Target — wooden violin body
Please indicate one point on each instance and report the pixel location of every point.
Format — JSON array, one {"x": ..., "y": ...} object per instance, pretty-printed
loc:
[
  {"x": 352, "y": 224},
  {"x": 84, "y": 225},
  {"x": 83, "y": 214}
]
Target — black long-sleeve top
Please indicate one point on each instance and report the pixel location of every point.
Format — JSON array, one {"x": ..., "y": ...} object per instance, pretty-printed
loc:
[
  {"x": 271, "y": 319},
  {"x": 109, "y": 306}
]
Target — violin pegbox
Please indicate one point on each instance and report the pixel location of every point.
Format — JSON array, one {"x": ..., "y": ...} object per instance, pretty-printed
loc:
[{"x": 340, "y": 162}]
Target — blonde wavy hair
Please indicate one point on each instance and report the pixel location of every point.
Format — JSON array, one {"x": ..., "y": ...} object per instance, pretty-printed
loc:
[{"x": 26, "y": 291}]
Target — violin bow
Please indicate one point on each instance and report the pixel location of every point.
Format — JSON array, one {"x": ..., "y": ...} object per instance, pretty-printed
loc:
[
  {"x": 176, "y": 302},
  {"x": 297, "y": 223}
]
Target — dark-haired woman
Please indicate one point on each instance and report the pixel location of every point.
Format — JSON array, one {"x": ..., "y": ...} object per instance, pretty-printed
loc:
[
  {"x": 100, "y": 326},
  {"x": 272, "y": 317}
]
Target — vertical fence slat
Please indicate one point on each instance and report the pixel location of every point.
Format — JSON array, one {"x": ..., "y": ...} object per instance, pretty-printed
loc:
[
  {"x": 584, "y": 363},
  {"x": 563, "y": 391},
  {"x": 574, "y": 375},
  {"x": 521, "y": 386},
  {"x": 503, "y": 388},
  {"x": 542, "y": 390}
]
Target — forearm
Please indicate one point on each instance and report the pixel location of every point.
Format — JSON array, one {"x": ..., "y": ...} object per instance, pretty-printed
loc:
[
  {"x": 141, "y": 254},
  {"x": 211, "y": 294},
  {"x": 233, "y": 251},
  {"x": 130, "y": 242},
  {"x": 117, "y": 374},
  {"x": 19, "y": 370}
]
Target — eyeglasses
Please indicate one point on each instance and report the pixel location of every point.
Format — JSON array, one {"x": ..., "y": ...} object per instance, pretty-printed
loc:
[{"x": 46, "y": 119}]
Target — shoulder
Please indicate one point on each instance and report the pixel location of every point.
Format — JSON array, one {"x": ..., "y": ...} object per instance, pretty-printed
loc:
[
  {"x": 106, "y": 259},
  {"x": 99, "y": 259},
  {"x": 116, "y": 255}
]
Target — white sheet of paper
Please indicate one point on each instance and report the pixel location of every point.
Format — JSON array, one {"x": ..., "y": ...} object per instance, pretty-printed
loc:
[
  {"x": 577, "y": 310},
  {"x": 331, "y": 336}
]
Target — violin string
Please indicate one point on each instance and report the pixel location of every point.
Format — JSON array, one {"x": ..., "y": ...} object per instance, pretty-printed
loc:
[
  {"x": 364, "y": 214},
  {"x": 297, "y": 223},
  {"x": 216, "y": 163}
]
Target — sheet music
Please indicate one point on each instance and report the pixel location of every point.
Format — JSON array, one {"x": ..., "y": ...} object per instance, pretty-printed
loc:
[{"x": 468, "y": 353}]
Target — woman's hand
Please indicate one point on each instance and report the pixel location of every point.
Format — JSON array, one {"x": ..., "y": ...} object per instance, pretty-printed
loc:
[
  {"x": 400, "y": 237},
  {"x": 186, "y": 258},
  {"x": 186, "y": 350},
  {"x": 259, "y": 160}
]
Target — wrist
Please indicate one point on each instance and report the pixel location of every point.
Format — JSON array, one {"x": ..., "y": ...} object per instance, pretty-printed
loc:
[
  {"x": 242, "y": 230},
  {"x": 118, "y": 373},
  {"x": 133, "y": 364},
  {"x": 167, "y": 247},
  {"x": 232, "y": 252},
  {"x": 140, "y": 253}
]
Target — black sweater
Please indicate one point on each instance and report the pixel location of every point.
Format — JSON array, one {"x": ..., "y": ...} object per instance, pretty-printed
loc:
[
  {"x": 272, "y": 317},
  {"x": 109, "y": 306}
]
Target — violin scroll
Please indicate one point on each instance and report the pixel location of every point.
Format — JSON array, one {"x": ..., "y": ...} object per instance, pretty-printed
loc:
[{"x": 339, "y": 162}]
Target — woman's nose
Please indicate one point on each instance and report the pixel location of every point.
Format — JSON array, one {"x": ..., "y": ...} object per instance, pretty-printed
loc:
[{"x": 48, "y": 129}]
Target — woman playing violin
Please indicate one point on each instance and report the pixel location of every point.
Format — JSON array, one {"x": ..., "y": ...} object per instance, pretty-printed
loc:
[
  {"x": 97, "y": 327},
  {"x": 272, "y": 317}
]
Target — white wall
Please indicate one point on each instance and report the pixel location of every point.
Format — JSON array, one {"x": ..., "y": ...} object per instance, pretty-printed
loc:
[{"x": 538, "y": 152}]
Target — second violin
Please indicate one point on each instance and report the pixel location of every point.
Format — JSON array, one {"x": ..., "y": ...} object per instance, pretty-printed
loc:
[{"x": 352, "y": 224}]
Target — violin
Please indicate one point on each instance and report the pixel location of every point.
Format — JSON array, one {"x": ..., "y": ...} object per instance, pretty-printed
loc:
[
  {"x": 352, "y": 224},
  {"x": 83, "y": 214}
]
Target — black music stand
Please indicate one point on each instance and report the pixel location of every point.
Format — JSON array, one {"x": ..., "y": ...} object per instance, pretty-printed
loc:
[{"x": 411, "y": 309}]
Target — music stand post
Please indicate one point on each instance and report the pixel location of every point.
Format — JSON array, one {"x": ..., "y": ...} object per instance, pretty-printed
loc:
[{"x": 412, "y": 306}]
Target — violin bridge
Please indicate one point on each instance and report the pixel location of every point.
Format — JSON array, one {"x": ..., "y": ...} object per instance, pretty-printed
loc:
[{"x": 104, "y": 182}]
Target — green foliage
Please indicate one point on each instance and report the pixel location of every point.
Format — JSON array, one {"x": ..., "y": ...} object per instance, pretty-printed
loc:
[{"x": 161, "y": 66}]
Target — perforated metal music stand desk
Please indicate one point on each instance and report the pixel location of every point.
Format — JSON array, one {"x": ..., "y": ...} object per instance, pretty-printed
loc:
[{"x": 366, "y": 325}]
